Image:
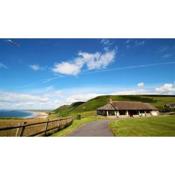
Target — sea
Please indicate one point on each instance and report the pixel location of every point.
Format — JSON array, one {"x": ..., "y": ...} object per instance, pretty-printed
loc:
[{"x": 16, "y": 114}]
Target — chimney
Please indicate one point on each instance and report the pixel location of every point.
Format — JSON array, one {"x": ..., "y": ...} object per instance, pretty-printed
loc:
[{"x": 110, "y": 100}]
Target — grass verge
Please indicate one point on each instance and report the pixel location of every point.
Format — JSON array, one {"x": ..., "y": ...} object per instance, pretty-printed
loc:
[{"x": 153, "y": 126}]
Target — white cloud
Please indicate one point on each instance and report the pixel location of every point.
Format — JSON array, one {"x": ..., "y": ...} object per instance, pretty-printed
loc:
[
  {"x": 20, "y": 97},
  {"x": 135, "y": 91},
  {"x": 93, "y": 61},
  {"x": 47, "y": 98},
  {"x": 130, "y": 92},
  {"x": 35, "y": 67},
  {"x": 167, "y": 88},
  {"x": 51, "y": 98},
  {"x": 67, "y": 68},
  {"x": 141, "y": 85},
  {"x": 97, "y": 60},
  {"x": 3, "y": 66}
]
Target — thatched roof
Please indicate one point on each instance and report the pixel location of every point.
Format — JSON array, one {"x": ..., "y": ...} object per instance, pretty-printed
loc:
[{"x": 127, "y": 105}]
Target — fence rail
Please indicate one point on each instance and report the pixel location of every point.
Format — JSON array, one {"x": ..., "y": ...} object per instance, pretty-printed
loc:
[{"x": 36, "y": 129}]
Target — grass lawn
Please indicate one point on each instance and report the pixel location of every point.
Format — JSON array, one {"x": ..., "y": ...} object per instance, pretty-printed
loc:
[
  {"x": 153, "y": 126},
  {"x": 75, "y": 125}
]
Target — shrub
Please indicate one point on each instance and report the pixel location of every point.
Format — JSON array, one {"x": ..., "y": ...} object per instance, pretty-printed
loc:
[{"x": 78, "y": 117}]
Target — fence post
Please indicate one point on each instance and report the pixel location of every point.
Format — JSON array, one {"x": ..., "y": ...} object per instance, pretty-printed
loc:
[
  {"x": 23, "y": 128},
  {"x": 17, "y": 130},
  {"x": 58, "y": 124},
  {"x": 46, "y": 126}
]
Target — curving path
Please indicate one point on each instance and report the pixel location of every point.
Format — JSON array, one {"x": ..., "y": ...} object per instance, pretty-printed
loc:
[{"x": 97, "y": 128}]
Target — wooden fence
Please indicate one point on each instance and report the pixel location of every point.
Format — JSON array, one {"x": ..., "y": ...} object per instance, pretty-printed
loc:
[{"x": 43, "y": 128}]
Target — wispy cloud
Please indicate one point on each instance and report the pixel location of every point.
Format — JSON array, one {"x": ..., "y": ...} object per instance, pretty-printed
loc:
[
  {"x": 50, "y": 79},
  {"x": 163, "y": 49},
  {"x": 115, "y": 69},
  {"x": 132, "y": 43},
  {"x": 107, "y": 44},
  {"x": 3, "y": 66},
  {"x": 166, "y": 51},
  {"x": 167, "y": 55},
  {"x": 12, "y": 42},
  {"x": 92, "y": 61},
  {"x": 139, "y": 43},
  {"x": 133, "y": 67},
  {"x": 35, "y": 67}
]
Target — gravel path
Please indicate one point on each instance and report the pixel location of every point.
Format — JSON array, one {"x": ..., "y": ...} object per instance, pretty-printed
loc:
[{"x": 97, "y": 128}]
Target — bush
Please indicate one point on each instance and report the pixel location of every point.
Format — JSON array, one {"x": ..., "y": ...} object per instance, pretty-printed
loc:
[
  {"x": 166, "y": 108},
  {"x": 78, "y": 117}
]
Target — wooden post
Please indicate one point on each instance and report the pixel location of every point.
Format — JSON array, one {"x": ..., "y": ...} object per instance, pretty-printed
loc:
[
  {"x": 17, "y": 130},
  {"x": 23, "y": 128},
  {"x": 58, "y": 124},
  {"x": 46, "y": 126},
  {"x": 61, "y": 124}
]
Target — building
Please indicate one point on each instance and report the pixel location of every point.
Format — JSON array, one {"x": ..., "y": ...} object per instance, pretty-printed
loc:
[{"x": 127, "y": 109}]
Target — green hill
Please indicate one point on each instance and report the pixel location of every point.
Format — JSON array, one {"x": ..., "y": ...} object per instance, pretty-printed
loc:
[
  {"x": 67, "y": 109},
  {"x": 90, "y": 106}
]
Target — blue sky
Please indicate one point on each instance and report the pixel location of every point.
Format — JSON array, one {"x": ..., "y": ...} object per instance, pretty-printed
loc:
[{"x": 46, "y": 73}]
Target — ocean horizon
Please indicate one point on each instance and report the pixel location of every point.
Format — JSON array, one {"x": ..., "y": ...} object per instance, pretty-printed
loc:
[{"x": 7, "y": 113}]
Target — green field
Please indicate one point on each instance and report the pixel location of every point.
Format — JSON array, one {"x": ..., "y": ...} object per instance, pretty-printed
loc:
[
  {"x": 152, "y": 126},
  {"x": 89, "y": 107}
]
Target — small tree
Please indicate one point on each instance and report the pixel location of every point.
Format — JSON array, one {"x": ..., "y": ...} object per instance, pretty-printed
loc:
[{"x": 78, "y": 117}]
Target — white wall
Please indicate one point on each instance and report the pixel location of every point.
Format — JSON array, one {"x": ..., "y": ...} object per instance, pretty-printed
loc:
[{"x": 154, "y": 113}]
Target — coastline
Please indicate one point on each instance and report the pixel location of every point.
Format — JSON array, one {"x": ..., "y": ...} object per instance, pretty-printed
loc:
[
  {"x": 41, "y": 115},
  {"x": 30, "y": 115}
]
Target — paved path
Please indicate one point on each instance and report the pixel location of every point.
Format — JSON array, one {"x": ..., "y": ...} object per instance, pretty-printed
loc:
[{"x": 97, "y": 128}]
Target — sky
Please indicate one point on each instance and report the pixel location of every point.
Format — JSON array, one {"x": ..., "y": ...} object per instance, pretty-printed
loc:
[{"x": 48, "y": 73}]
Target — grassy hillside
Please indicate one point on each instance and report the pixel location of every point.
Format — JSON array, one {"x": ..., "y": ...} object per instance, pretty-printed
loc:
[
  {"x": 67, "y": 109},
  {"x": 91, "y": 105}
]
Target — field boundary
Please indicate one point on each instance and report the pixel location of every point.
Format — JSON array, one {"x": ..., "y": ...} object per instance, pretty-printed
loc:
[{"x": 44, "y": 128}]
